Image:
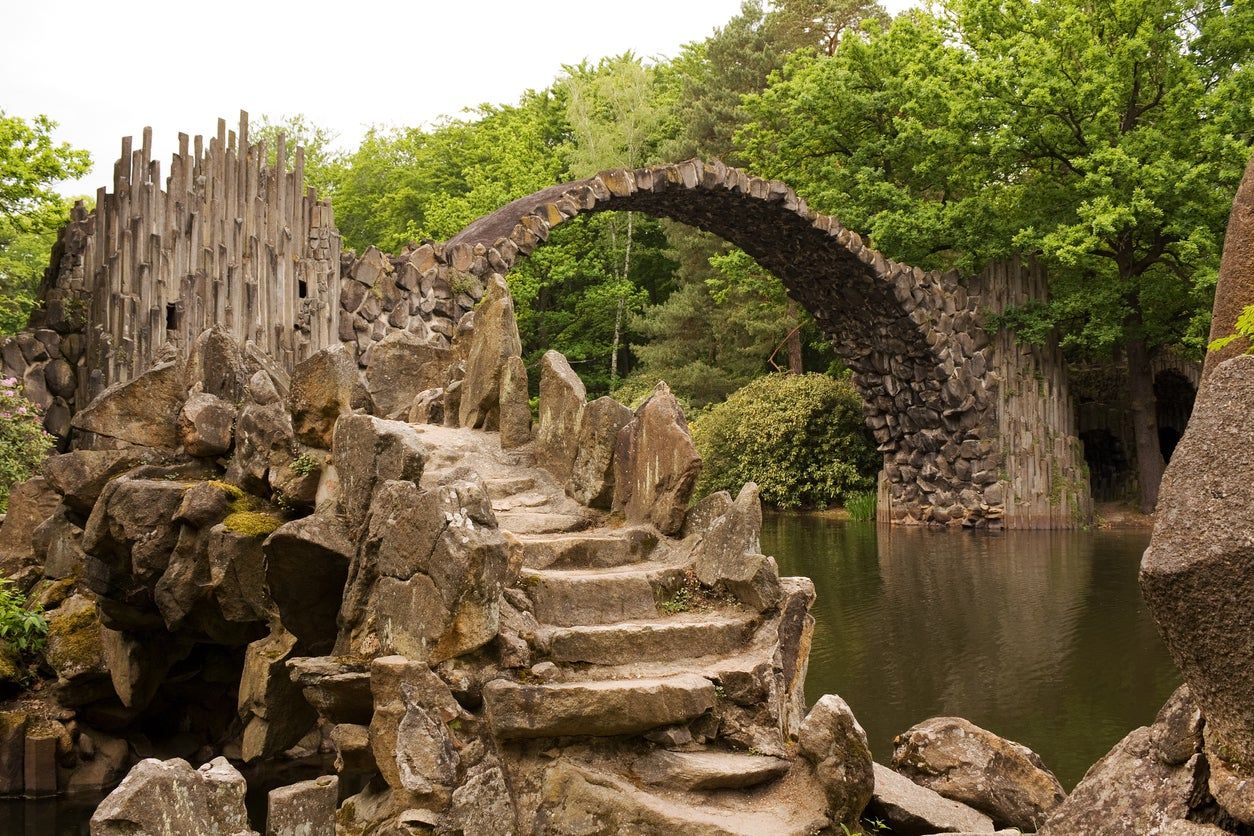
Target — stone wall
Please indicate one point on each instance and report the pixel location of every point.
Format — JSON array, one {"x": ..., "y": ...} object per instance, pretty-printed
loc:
[{"x": 231, "y": 238}]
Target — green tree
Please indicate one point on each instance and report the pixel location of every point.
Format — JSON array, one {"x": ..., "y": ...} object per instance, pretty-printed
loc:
[
  {"x": 1106, "y": 138},
  {"x": 31, "y": 211},
  {"x": 322, "y": 160}
]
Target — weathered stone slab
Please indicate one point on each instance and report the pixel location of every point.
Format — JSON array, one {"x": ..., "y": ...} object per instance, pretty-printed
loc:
[
  {"x": 194, "y": 802},
  {"x": 142, "y": 411},
  {"x": 592, "y": 472},
  {"x": 515, "y": 404},
  {"x": 911, "y": 810},
  {"x": 600, "y": 708},
  {"x": 708, "y": 770}
]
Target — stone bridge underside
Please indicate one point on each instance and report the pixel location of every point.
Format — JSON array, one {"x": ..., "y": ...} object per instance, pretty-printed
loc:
[{"x": 918, "y": 353}]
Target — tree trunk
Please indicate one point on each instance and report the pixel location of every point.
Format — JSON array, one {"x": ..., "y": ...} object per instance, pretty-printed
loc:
[
  {"x": 1149, "y": 457},
  {"x": 618, "y": 330},
  {"x": 795, "y": 364}
]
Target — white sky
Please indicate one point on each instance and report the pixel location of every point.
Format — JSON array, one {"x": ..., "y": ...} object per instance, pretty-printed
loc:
[{"x": 104, "y": 69}]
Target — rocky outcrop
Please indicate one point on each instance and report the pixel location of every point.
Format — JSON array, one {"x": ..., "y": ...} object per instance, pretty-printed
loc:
[
  {"x": 323, "y": 388},
  {"x": 656, "y": 464},
  {"x": 1195, "y": 574},
  {"x": 170, "y": 798},
  {"x": 835, "y": 743},
  {"x": 403, "y": 364},
  {"x": 143, "y": 412},
  {"x": 562, "y": 399},
  {"x": 968, "y": 764},
  {"x": 592, "y": 469},
  {"x": 494, "y": 341}
]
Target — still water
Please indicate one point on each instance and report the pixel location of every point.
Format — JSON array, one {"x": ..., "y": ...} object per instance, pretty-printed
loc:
[{"x": 1039, "y": 636}]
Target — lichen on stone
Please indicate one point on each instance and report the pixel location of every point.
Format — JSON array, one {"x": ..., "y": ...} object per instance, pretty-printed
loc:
[{"x": 252, "y": 523}]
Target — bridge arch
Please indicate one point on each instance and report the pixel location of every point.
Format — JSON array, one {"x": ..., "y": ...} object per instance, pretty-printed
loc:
[{"x": 911, "y": 338}]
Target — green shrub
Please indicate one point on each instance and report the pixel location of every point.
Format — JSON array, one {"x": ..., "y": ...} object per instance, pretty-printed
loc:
[
  {"x": 23, "y": 441},
  {"x": 22, "y": 630},
  {"x": 800, "y": 437}
]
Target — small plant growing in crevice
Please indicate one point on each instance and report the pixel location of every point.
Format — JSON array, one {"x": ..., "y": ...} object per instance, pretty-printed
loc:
[
  {"x": 305, "y": 464},
  {"x": 680, "y": 601},
  {"x": 23, "y": 631},
  {"x": 23, "y": 441}
]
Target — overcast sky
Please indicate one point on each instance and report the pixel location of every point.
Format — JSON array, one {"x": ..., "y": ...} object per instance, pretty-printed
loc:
[{"x": 106, "y": 69}]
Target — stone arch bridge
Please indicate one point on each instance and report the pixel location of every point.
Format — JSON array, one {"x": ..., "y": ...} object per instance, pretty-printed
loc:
[
  {"x": 928, "y": 371},
  {"x": 974, "y": 429}
]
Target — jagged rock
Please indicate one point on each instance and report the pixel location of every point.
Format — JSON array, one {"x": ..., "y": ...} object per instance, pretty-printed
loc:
[
  {"x": 263, "y": 440},
  {"x": 296, "y": 478},
  {"x": 708, "y": 770},
  {"x": 515, "y": 404},
  {"x": 835, "y": 743},
  {"x": 401, "y": 365},
  {"x": 966, "y": 763},
  {"x": 237, "y": 575},
  {"x": 353, "y": 755},
  {"x": 306, "y": 568},
  {"x": 1231, "y": 788},
  {"x": 911, "y": 810},
  {"x": 412, "y": 744},
  {"x": 709, "y": 508},
  {"x": 1189, "y": 574},
  {"x": 103, "y": 767},
  {"x": 324, "y": 387},
  {"x": 368, "y": 452},
  {"x": 562, "y": 400},
  {"x": 727, "y": 556},
  {"x": 206, "y": 425},
  {"x": 303, "y": 809},
  {"x": 142, "y": 411},
  {"x": 31, "y": 503},
  {"x": 137, "y": 663},
  {"x": 452, "y": 402},
  {"x": 193, "y": 802},
  {"x": 482, "y": 804},
  {"x": 1235, "y": 287},
  {"x": 58, "y": 546},
  {"x": 1177, "y": 730},
  {"x": 12, "y": 752},
  {"x": 74, "y": 651},
  {"x": 80, "y": 476},
  {"x": 594, "y": 708},
  {"x": 592, "y": 472},
  {"x": 440, "y": 563},
  {"x": 1129, "y": 792},
  {"x": 495, "y": 339},
  {"x": 216, "y": 365},
  {"x": 656, "y": 464},
  {"x": 1180, "y": 827},
  {"x": 338, "y": 687},
  {"x": 273, "y": 706},
  {"x": 427, "y": 407}
]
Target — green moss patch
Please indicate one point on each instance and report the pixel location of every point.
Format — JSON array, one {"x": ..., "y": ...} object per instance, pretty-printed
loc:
[{"x": 252, "y": 523}]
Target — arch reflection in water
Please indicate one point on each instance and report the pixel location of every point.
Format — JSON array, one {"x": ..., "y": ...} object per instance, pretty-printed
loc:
[{"x": 1039, "y": 636}]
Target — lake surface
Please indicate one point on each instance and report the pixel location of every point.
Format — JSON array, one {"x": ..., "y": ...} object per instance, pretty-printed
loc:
[{"x": 1039, "y": 636}]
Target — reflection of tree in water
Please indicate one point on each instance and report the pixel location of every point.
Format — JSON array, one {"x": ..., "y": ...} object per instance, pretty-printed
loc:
[{"x": 1039, "y": 636}]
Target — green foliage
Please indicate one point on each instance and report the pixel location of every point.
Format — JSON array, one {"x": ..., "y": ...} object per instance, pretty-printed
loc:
[
  {"x": 323, "y": 163},
  {"x": 861, "y": 506},
  {"x": 801, "y": 438},
  {"x": 23, "y": 630},
  {"x": 23, "y": 441},
  {"x": 30, "y": 210},
  {"x": 305, "y": 464}
]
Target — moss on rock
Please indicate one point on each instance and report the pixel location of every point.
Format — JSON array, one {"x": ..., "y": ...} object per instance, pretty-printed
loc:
[{"x": 252, "y": 523}]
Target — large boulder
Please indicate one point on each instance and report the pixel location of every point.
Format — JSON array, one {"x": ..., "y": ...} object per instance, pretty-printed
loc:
[
  {"x": 1198, "y": 573},
  {"x": 562, "y": 399},
  {"x": 272, "y": 706},
  {"x": 430, "y": 574},
  {"x": 206, "y": 425},
  {"x": 31, "y": 504},
  {"x": 656, "y": 464},
  {"x": 303, "y": 809},
  {"x": 306, "y": 568},
  {"x": 409, "y": 733},
  {"x": 1236, "y": 275},
  {"x": 218, "y": 365},
  {"x": 80, "y": 476},
  {"x": 592, "y": 471},
  {"x": 367, "y": 452},
  {"x": 726, "y": 555},
  {"x": 494, "y": 341},
  {"x": 403, "y": 364},
  {"x": 142, "y": 411},
  {"x": 833, "y": 741},
  {"x": 961, "y": 761},
  {"x": 170, "y": 798},
  {"x": 324, "y": 386}
]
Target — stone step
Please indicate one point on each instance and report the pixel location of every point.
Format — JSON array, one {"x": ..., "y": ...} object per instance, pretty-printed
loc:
[
  {"x": 531, "y": 522},
  {"x": 526, "y": 501},
  {"x": 665, "y": 640},
  {"x": 510, "y": 485},
  {"x": 588, "y": 549},
  {"x": 708, "y": 770},
  {"x": 597, "y": 709},
  {"x": 574, "y": 597},
  {"x": 577, "y": 793}
]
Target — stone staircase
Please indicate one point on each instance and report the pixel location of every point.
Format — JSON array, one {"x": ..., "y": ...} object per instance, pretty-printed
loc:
[{"x": 630, "y": 652}]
